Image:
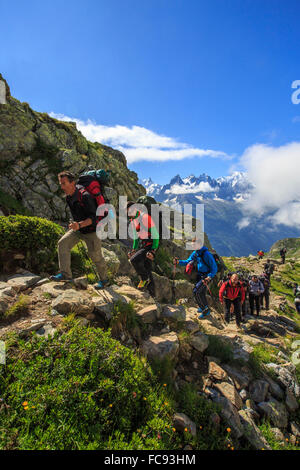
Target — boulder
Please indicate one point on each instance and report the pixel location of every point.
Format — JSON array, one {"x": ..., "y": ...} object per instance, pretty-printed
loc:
[
  {"x": 46, "y": 330},
  {"x": 275, "y": 412},
  {"x": 54, "y": 289},
  {"x": 148, "y": 314},
  {"x": 278, "y": 435},
  {"x": 291, "y": 402},
  {"x": 183, "y": 289},
  {"x": 241, "y": 380},
  {"x": 199, "y": 341},
  {"x": 230, "y": 415},
  {"x": 104, "y": 302},
  {"x": 20, "y": 282},
  {"x": 163, "y": 288},
  {"x": 258, "y": 390},
  {"x": 216, "y": 371},
  {"x": 140, "y": 297},
  {"x": 112, "y": 261},
  {"x": 81, "y": 282},
  {"x": 251, "y": 431},
  {"x": 160, "y": 347},
  {"x": 72, "y": 301},
  {"x": 174, "y": 313},
  {"x": 182, "y": 422},
  {"x": 285, "y": 378},
  {"x": 275, "y": 390},
  {"x": 229, "y": 392},
  {"x": 295, "y": 429}
]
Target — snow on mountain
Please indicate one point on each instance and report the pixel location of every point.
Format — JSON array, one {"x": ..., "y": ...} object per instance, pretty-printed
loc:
[
  {"x": 235, "y": 187},
  {"x": 224, "y": 211}
]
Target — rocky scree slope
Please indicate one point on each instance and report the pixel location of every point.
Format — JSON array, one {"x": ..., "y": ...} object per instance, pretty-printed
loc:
[{"x": 247, "y": 373}]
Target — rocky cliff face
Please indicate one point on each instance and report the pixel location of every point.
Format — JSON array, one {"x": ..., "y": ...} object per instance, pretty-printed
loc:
[{"x": 35, "y": 147}]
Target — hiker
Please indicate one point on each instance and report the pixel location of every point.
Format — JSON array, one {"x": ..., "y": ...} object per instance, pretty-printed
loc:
[
  {"x": 269, "y": 268},
  {"x": 296, "y": 290},
  {"x": 232, "y": 293},
  {"x": 145, "y": 244},
  {"x": 255, "y": 290},
  {"x": 245, "y": 284},
  {"x": 203, "y": 262},
  {"x": 266, "y": 293},
  {"x": 261, "y": 254},
  {"x": 83, "y": 209},
  {"x": 225, "y": 279},
  {"x": 282, "y": 254}
]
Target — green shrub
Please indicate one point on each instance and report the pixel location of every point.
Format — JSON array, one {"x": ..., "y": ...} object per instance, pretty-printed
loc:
[
  {"x": 34, "y": 237},
  {"x": 81, "y": 390},
  {"x": 220, "y": 348}
]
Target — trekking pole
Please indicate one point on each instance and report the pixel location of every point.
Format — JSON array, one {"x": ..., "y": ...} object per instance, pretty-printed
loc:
[{"x": 173, "y": 283}]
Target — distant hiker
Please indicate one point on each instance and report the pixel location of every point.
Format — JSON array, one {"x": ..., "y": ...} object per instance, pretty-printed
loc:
[
  {"x": 283, "y": 254},
  {"x": 145, "y": 244},
  {"x": 245, "y": 284},
  {"x": 83, "y": 208},
  {"x": 256, "y": 288},
  {"x": 226, "y": 278},
  {"x": 261, "y": 254},
  {"x": 296, "y": 290},
  {"x": 269, "y": 268},
  {"x": 232, "y": 293},
  {"x": 266, "y": 293},
  {"x": 203, "y": 262}
]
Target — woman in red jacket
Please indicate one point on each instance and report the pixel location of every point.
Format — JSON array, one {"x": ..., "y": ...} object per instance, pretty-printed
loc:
[{"x": 232, "y": 293}]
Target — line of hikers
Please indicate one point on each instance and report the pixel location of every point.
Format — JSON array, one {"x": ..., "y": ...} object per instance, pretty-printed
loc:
[{"x": 234, "y": 291}]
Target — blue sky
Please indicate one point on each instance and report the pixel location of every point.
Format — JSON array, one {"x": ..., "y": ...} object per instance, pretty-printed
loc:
[{"x": 212, "y": 76}]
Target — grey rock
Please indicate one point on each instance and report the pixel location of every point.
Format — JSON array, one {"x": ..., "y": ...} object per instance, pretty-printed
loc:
[
  {"x": 274, "y": 388},
  {"x": 46, "y": 330},
  {"x": 230, "y": 415},
  {"x": 182, "y": 422},
  {"x": 278, "y": 435},
  {"x": 199, "y": 341},
  {"x": 160, "y": 347},
  {"x": 175, "y": 313},
  {"x": 241, "y": 380},
  {"x": 258, "y": 390},
  {"x": 22, "y": 281},
  {"x": 295, "y": 428},
  {"x": 229, "y": 392},
  {"x": 72, "y": 301},
  {"x": 148, "y": 314},
  {"x": 251, "y": 431},
  {"x": 291, "y": 402},
  {"x": 275, "y": 412}
]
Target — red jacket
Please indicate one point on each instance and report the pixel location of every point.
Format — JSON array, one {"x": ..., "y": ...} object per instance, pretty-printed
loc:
[{"x": 231, "y": 292}]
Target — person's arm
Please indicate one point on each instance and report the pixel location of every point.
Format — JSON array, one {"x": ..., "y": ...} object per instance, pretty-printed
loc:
[
  {"x": 155, "y": 237},
  {"x": 221, "y": 292},
  {"x": 210, "y": 261},
  {"x": 184, "y": 262},
  {"x": 135, "y": 243}
]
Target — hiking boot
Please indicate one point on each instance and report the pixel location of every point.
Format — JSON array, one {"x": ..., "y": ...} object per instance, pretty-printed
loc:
[
  {"x": 143, "y": 284},
  {"x": 204, "y": 314},
  {"x": 102, "y": 284},
  {"x": 60, "y": 277}
]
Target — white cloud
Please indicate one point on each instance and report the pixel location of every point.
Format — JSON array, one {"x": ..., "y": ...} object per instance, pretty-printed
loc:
[
  {"x": 274, "y": 172},
  {"x": 138, "y": 143}
]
